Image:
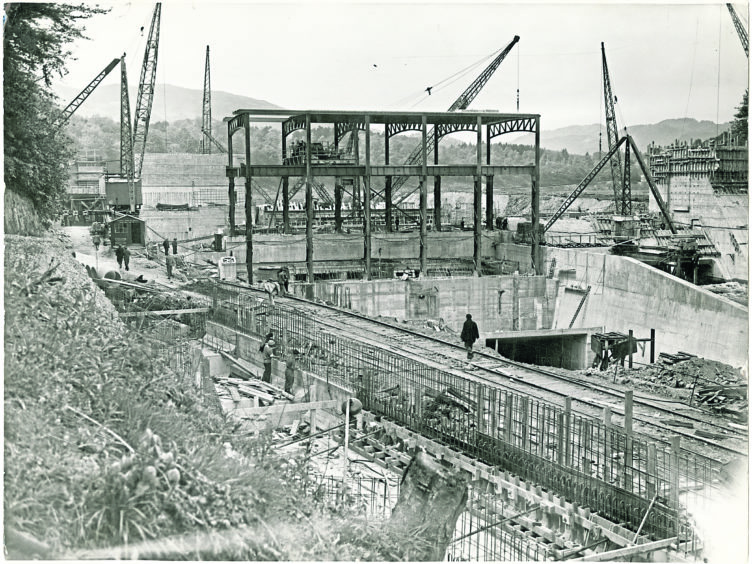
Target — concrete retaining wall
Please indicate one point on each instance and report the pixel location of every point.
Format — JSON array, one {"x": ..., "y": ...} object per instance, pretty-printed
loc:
[
  {"x": 627, "y": 294},
  {"x": 497, "y": 303}
]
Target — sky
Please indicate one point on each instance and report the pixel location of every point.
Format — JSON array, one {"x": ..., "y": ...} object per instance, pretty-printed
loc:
[{"x": 665, "y": 61}]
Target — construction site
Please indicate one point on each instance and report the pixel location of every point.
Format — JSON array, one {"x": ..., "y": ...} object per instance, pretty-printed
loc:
[{"x": 318, "y": 305}]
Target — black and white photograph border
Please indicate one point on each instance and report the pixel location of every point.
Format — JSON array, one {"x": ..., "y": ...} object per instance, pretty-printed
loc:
[{"x": 317, "y": 281}]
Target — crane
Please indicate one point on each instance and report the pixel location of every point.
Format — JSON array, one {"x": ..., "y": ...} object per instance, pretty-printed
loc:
[
  {"x": 145, "y": 95},
  {"x": 621, "y": 191},
  {"x": 461, "y": 103},
  {"x": 207, "y": 114},
  {"x": 69, "y": 110},
  {"x": 126, "y": 137},
  {"x": 740, "y": 29},
  {"x": 630, "y": 146}
]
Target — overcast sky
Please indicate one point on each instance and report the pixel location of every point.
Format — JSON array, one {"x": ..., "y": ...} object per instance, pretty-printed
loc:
[{"x": 665, "y": 60}]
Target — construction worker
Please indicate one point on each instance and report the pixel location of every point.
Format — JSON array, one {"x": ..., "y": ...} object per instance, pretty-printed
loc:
[
  {"x": 126, "y": 257},
  {"x": 169, "y": 263},
  {"x": 283, "y": 277},
  {"x": 175, "y": 246},
  {"x": 119, "y": 256},
  {"x": 469, "y": 334},
  {"x": 166, "y": 246},
  {"x": 267, "y": 354},
  {"x": 96, "y": 241}
]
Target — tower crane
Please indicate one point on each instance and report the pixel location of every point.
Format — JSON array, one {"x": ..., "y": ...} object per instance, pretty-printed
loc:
[
  {"x": 621, "y": 191},
  {"x": 740, "y": 29},
  {"x": 145, "y": 95},
  {"x": 69, "y": 110},
  {"x": 207, "y": 114},
  {"x": 461, "y": 103}
]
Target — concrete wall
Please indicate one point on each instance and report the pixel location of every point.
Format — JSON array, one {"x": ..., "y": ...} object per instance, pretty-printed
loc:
[
  {"x": 627, "y": 294},
  {"x": 497, "y": 303},
  {"x": 280, "y": 249}
]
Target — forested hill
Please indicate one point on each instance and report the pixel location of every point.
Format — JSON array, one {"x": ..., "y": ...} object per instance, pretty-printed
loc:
[{"x": 100, "y": 137}]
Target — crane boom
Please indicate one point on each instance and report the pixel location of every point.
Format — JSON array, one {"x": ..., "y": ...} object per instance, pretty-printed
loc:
[
  {"x": 740, "y": 29},
  {"x": 146, "y": 91},
  {"x": 83, "y": 95},
  {"x": 207, "y": 113},
  {"x": 461, "y": 103},
  {"x": 616, "y": 166}
]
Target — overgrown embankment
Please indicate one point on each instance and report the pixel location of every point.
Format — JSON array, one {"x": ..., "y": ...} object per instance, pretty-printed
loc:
[{"x": 106, "y": 444}]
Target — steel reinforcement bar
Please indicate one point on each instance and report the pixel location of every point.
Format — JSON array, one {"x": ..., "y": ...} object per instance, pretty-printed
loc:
[{"x": 591, "y": 462}]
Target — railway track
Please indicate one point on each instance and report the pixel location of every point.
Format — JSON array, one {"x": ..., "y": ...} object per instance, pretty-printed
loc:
[{"x": 588, "y": 398}]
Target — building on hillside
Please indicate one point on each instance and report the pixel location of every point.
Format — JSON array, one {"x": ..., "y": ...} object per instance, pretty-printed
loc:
[{"x": 706, "y": 187}]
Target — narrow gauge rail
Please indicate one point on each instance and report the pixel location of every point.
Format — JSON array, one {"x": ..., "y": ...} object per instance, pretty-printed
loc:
[{"x": 522, "y": 378}]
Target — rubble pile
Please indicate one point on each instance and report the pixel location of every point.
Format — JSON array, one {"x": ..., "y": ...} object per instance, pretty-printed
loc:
[{"x": 732, "y": 290}]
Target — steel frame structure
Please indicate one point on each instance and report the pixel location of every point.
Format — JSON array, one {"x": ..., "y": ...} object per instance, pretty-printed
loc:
[{"x": 486, "y": 124}]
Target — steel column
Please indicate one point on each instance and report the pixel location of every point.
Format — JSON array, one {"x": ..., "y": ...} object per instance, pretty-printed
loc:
[
  {"x": 247, "y": 203},
  {"x": 490, "y": 197},
  {"x": 367, "y": 202},
  {"x": 423, "y": 203},
  {"x": 438, "y": 188},
  {"x": 536, "y": 251},
  {"x": 388, "y": 186},
  {"x": 478, "y": 201},
  {"x": 231, "y": 186},
  {"x": 309, "y": 204},
  {"x": 286, "y": 194}
]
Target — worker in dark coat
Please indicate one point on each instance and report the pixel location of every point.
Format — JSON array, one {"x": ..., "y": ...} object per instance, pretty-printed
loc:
[
  {"x": 126, "y": 257},
  {"x": 469, "y": 334},
  {"x": 267, "y": 354},
  {"x": 119, "y": 256},
  {"x": 166, "y": 246},
  {"x": 175, "y": 246},
  {"x": 169, "y": 263}
]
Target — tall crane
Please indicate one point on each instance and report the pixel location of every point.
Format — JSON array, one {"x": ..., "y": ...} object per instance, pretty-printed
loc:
[
  {"x": 621, "y": 191},
  {"x": 69, "y": 110},
  {"x": 461, "y": 103},
  {"x": 126, "y": 137},
  {"x": 146, "y": 91},
  {"x": 740, "y": 29},
  {"x": 207, "y": 114}
]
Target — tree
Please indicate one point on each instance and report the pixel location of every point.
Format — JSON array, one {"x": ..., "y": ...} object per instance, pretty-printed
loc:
[
  {"x": 35, "y": 43},
  {"x": 740, "y": 127}
]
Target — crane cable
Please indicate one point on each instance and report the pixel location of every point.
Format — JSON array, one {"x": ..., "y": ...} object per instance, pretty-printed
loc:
[{"x": 719, "y": 43}]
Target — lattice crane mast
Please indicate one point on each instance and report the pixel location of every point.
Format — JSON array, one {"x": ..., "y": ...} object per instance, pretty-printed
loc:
[
  {"x": 126, "y": 137},
  {"x": 69, "y": 110},
  {"x": 740, "y": 29},
  {"x": 461, "y": 103},
  {"x": 621, "y": 191},
  {"x": 207, "y": 114},
  {"x": 146, "y": 91}
]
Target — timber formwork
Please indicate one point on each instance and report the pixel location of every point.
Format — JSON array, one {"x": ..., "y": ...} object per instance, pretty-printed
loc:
[
  {"x": 301, "y": 162},
  {"x": 599, "y": 464}
]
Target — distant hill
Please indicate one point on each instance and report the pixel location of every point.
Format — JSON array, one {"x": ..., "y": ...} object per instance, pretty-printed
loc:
[
  {"x": 182, "y": 103},
  {"x": 582, "y": 139}
]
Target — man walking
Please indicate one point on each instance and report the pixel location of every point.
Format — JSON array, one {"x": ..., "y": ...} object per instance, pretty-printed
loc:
[
  {"x": 169, "y": 263},
  {"x": 119, "y": 256},
  {"x": 126, "y": 257},
  {"x": 469, "y": 334},
  {"x": 166, "y": 246},
  {"x": 175, "y": 245},
  {"x": 267, "y": 354}
]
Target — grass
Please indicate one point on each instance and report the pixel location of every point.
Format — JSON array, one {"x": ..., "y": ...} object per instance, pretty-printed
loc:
[{"x": 107, "y": 443}]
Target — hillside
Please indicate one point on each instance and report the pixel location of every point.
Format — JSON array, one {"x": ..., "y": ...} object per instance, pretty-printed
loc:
[
  {"x": 183, "y": 103},
  {"x": 582, "y": 139}
]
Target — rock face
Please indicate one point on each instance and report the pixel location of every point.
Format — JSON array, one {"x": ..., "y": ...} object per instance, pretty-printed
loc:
[
  {"x": 431, "y": 499},
  {"x": 20, "y": 216}
]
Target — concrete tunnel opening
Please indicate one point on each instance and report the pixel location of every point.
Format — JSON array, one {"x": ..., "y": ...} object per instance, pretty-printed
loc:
[{"x": 569, "y": 351}]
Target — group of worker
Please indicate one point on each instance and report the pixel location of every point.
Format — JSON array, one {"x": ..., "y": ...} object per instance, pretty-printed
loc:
[{"x": 123, "y": 256}]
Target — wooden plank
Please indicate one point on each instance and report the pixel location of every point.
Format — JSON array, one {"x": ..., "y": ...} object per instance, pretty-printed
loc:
[
  {"x": 251, "y": 369},
  {"x": 235, "y": 396},
  {"x": 622, "y": 553},
  {"x": 255, "y": 393},
  {"x": 287, "y": 408},
  {"x": 164, "y": 312}
]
